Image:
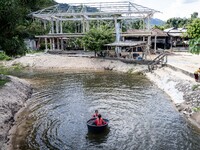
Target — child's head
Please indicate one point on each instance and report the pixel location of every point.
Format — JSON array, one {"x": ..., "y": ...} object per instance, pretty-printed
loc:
[
  {"x": 96, "y": 111},
  {"x": 99, "y": 116}
]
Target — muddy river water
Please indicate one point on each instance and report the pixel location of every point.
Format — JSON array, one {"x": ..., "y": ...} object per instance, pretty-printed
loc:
[{"x": 142, "y": 117}]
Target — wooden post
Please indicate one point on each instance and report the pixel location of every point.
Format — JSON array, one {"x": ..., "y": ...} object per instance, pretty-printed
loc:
[
  {"x": 58, "y": 43},
  {"x": 62, "y": 46},
  {"x": 171, "y": 42},
  {"x": 155, "y": 44},
  {"x": 51, "y": 44}
]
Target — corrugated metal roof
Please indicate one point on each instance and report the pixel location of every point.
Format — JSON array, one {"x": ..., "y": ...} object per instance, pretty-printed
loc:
[
  {"x": 153, "y": 32},
  {"x": 158, "y": 32},
  {"x": 128, "y": 43},
  {"x": 175, "y": 31}
]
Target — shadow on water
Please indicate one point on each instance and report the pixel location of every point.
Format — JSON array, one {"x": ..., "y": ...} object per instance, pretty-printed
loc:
[{"x": 98, "y": 138}]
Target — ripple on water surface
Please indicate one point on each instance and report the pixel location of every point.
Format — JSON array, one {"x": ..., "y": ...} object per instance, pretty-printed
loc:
[{"x": 141, "y": 116}]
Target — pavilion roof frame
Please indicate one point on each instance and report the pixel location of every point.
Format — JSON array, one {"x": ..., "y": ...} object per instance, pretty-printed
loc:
[{"x": 94, "y": 11}]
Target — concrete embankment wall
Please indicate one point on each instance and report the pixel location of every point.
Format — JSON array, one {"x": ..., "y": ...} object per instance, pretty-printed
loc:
[
  {"x": 182, "y": 88},
  {"x": 12, "y": 98}
]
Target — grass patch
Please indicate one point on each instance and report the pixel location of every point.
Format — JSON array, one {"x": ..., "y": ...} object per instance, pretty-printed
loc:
[
  {"x": 3, "y": 56},
  {"x": 194, "y": 87},
  {"x": 34, "y": 51},
  {"x": 3, "y": 82},
  {"x": 10, "y": 70},
  {"x": 196, "y": 109}
]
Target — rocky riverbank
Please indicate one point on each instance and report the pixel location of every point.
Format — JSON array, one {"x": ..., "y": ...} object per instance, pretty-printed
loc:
[
  {"x": 183, "y": 90},
  {"x": 12, "y": 98}
]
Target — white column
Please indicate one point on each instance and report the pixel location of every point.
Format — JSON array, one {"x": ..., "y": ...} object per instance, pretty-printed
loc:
[
  {"x": 148, "y": 23},
  {"x": 83, "y": 23},
  {"x": 53, "y": 44},
  {"x": 45, "y": 39},
  {"x": 143, "y": 24},
  {"x": 87, "y": 25},
  {"x": 61, "y": 26},
  {"x": 52, "y": 26},
  {"x": 57, "y": 26}
]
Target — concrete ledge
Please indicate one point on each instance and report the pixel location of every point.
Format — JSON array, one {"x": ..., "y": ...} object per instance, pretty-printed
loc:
[{"x": 180, "y": 70}]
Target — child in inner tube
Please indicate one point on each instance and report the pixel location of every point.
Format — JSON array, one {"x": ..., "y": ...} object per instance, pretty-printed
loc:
[{"x": 99, "y": 121}]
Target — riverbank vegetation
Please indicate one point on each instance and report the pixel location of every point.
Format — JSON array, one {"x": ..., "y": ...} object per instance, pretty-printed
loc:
[
  {"x": 193, "y": 32},
  {"x": 12, "y": 69},
  {"x": 3, "y": 82},
  {"x": 3, "y": 56}
]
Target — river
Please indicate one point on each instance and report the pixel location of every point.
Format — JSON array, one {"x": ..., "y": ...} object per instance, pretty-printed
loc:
[{"x": 142, "y": 117}]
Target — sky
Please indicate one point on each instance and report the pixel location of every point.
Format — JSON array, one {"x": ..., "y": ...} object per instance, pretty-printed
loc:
[{"x": 168, "y": 8}]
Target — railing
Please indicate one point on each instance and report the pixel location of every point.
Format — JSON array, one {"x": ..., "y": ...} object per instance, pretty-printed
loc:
[{"x": 160, "y": 59}]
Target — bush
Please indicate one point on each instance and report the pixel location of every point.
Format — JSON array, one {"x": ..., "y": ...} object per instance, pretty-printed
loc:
[
  {"x": 3, "y": 56},
  {"x": 10, "y": 70},
  {"x": 3, "y": 82},
  {"x": 13, "y": 46}
]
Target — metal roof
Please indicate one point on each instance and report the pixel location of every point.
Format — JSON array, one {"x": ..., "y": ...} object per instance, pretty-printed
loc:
[
  {"x": 128, "y": 43},
  {"x": 94, "y": 11},
  {"x": 175, "y": 31}
]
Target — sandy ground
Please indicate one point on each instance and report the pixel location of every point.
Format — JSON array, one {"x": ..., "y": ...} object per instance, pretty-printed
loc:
[
  {"x": 185, "y": 61},
  {"x": 49, "y": 61}
]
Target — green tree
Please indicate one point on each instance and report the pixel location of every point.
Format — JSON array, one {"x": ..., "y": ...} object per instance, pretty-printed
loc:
[
  {"x": 176, "y": 22},
  {"x": 194, "y": 15},
  {"x": 96, "y": 38},
  {"x": 15, "y": 25},
  {"x": 159, "y": 27},
  {"x": 193, "y": 32},
  {"x": 138, "y": 24}
]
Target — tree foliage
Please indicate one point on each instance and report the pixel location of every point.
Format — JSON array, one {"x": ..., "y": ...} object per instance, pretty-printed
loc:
[
  {"x": 159, "y": 27},
  {"x": 193, "y": 29},
  {"x": 194, "y": 46},
  {"x": 176, "y": 22},
  {"x": 15, "y": 25},
  {"x": 96, "y": 38},
  {"x": 193, "y": 32}
]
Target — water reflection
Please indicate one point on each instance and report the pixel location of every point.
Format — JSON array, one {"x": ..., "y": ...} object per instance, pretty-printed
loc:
[
  {"x": 141, "y": 116},
  {"x": 98, "y": 138}
]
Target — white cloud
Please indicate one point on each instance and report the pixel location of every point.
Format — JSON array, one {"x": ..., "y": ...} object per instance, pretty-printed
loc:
[
  {"x": 189, "y": 1},
  {"x": 169, "y": 8}
]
